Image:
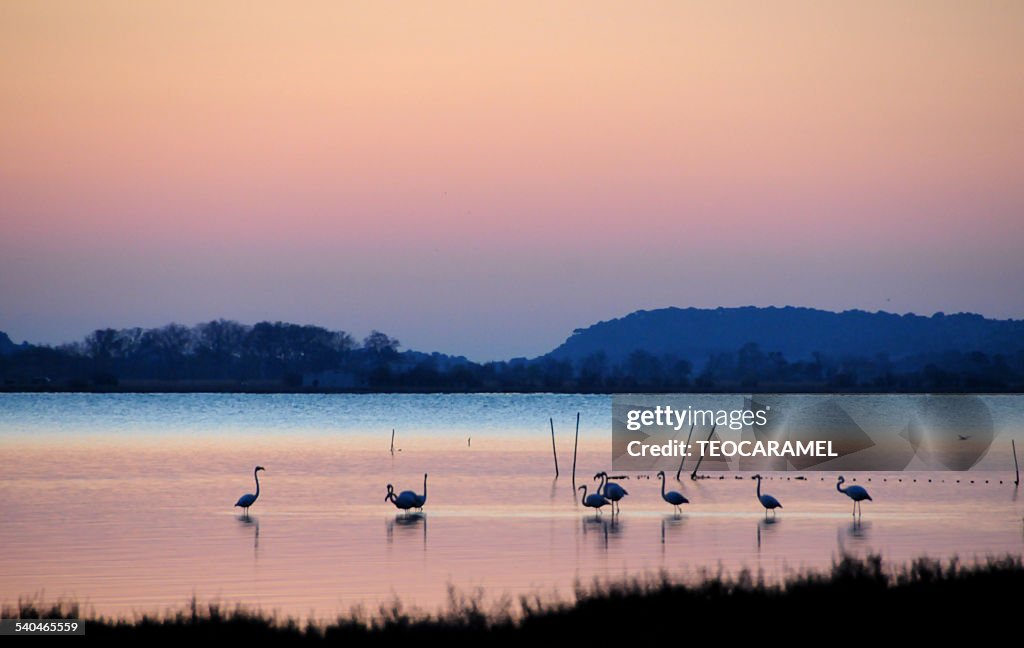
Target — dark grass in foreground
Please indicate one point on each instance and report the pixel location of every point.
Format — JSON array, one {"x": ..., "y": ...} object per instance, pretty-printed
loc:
[{"x": 857, "y": 600}]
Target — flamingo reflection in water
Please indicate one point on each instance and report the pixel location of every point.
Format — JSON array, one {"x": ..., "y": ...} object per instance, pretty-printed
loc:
[{"x": 406, "y": 523}]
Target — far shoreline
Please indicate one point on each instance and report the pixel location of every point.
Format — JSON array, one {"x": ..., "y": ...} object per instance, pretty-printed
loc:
[{"x": 274, "y": 387}]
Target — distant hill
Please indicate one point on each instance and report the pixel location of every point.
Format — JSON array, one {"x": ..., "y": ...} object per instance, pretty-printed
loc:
[
  {"x": 6, "y": 345},
  {"x": 695, "y": 334}
]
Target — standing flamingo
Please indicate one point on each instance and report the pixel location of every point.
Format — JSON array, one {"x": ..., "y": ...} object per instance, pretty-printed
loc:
[
  {"x": 610, "y": 490},
  {"x": 857, "y": 493},
  {"x": 594, "y": 501},
  {"x": 404, "y": 500},
  {"x": 767, "y": 501},
  {"x": 674, "y": 498},
  {"x": 247, "y": 500},
  {"x": 420, "y": 501}
]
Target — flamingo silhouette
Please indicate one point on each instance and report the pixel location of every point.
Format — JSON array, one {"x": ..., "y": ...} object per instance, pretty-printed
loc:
[
  {"x": 674, "y": 498},
  {"x": 610, "y": 490},
  {"x": 247, "y": 500},
  {"x": 857, "y": 493},
  {"x": 404, "y": 500},
  {"x": 594, "y": 500},
  {"x": 767, "y": 501}
]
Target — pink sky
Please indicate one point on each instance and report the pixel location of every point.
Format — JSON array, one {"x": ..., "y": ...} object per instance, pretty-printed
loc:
[{"x": 482, "y": 178}]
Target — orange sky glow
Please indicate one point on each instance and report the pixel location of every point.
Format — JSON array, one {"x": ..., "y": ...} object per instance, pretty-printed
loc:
[{"x": 481, "y": 178}]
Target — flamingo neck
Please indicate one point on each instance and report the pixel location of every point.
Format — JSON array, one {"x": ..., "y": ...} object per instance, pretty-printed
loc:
[
  {"x": 663, "y": 487},
  {"x": 424, "y": 488},
  {"x": 759, "y": 487},
  {"x": 256, "y": 475},
  {"x": 583, "y": 500},
  {"x": 839, "y": 487}
]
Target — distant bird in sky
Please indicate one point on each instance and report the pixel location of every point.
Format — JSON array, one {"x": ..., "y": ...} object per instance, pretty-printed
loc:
[
  {"x": 963, "y": 437},
  {"x": 594, "y": 500},
  {"x": 674, "y": 498},
  {"x": 610, "y": 490},
  {"x": 767, "y": 501},
  {"x": 857, "y": 493},
  {"x": 247, "y": 500}
]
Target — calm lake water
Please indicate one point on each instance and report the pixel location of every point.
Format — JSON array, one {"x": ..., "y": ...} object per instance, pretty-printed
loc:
[{"x": 124, "y": 503}]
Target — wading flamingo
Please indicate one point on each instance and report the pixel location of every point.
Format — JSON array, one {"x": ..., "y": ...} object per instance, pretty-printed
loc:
[
  {"x": 420, "y": 501},
  {"x": 674, "y": 498},
  {"x": 247, "y": 500},
  {"x": 594, "y": 500},
  {"x": 610, "y": 490},
  {"x": 857, "y": 493},
  {"x": 767, "y": 501},
  {"x": 404, "y": 500}
]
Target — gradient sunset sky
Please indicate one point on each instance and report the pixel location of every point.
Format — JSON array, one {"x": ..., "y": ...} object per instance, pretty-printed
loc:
[{"x": 481, "y": 178}]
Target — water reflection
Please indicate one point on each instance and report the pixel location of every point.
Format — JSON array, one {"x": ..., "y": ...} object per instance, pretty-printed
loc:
[
  {"x": 670, "y": 523},
  {"x": 856, "y": 533},
  {"x": 858, "y": 529},
  {"x": 501, "y": 504},
  {"x": 766, "y": 527},
  {"x": 605, "y": 527},
  {"x": 407, "y": 523},
  {"x": 248, "y": 521}
]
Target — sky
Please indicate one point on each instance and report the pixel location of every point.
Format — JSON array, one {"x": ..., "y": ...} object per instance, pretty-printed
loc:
[{"x": 481, "y": 178}]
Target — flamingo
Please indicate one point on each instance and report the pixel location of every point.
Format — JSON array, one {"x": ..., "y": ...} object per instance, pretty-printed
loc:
[
  {"x": 420, "y": 501},
  {"x": 675, "y": 498},
  {"x": 247, "y": 500},
  {"x": 594, "y": 501},
  {"x": 610, "y": 490},
  {"x": 767, "y": 501},
  {"x": 857, "y": 493},
  {"x": 404, "y": 500}
]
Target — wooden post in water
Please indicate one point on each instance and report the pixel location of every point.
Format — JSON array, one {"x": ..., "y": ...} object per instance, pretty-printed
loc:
[
  {"x": 575, "y": 445},
  {"x": 553, "y": 453},
  {"x": 683, "y": 458},
  {"x": 693, "y": 475},
  {"x": 1016, "y": 466},
  {"x": 392, "y": 440}
]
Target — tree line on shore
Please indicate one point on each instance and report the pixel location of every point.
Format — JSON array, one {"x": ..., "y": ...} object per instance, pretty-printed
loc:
[{"x": 278, "y": 356}]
